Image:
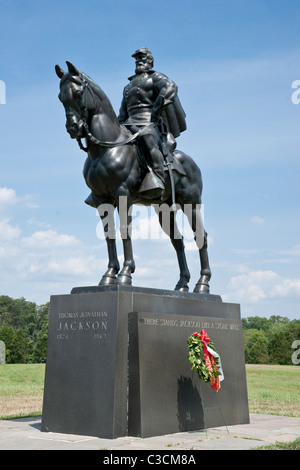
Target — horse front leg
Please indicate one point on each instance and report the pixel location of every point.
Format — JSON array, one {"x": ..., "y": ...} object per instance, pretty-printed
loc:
[
  {"x": 106, "y": 212},
  {"x": 124, "y": 209}
]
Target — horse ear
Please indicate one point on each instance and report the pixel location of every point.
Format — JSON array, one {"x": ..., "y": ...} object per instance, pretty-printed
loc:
[
  {"x": 72, "y": 69},
  {"x": 59, "y": 71}
]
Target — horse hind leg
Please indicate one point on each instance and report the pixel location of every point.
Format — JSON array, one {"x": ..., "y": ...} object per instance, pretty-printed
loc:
[
  {"x": 182, "y": 284},
  {"x": 167, "y": 220},
  {"x": 200, "y": 237},
  {"x": 124, "y": 209},
  {"x": 202, "y": 286}
]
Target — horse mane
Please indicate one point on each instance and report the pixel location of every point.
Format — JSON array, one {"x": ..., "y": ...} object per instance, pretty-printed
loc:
[
  {"x": 105, "y": 102},
  {"x": 96, "y": 89}
]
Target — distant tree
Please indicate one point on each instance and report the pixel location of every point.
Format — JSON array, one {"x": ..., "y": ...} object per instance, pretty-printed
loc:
[
  {"x": 256, "y": 348},
  {"x": 278, "y": 318},
  {"x": 256, "y": 323},
  {"x": 294, "y": 328},
  {"x": 24, "y": 329},
  {"x": 43, "y": 316},
  {"x": 7, "y": 308},
  {"x": 21, "y": 348},
  {"x": 247, "y": 334},
  {"x": 18, "y": 313},
  {"x": 279, "y": 347},
  {"x": 41, "y": 339},
  {"x": 279, "y": 333},
  {"x": 40, "y": 351},
  {"x": 7, "y": 334}
]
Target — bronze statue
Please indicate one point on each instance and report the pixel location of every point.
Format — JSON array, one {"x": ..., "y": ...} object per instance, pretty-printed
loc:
[
  {"x": 117, "y": 171},
  {"x": 150, "y": 104}
]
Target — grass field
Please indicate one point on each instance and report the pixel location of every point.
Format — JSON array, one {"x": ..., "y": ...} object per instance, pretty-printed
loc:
[
  {"x": 21, "y": 390},
  {"x": 274, "y": 389},
  {"x": 271, "y": 389}
]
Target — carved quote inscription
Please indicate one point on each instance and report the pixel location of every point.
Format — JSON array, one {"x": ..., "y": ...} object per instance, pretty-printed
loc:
[{"x": 217, "y": 324}]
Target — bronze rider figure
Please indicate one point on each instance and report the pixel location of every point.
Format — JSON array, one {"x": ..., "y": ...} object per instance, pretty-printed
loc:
[{"x": 151, "y": 106}]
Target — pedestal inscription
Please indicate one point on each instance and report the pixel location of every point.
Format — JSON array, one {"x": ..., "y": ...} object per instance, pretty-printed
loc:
[{"x": 86, "y": 370}]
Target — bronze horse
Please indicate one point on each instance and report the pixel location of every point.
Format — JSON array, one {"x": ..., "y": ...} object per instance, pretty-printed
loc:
[{"x": 113, "y": 169}]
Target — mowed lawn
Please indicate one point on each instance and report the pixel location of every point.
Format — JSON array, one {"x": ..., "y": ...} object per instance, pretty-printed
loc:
[
  {"x": 271, "y": 389},
  {"x": 21, "y": 390},
  {"x": 274, "y": 389}
]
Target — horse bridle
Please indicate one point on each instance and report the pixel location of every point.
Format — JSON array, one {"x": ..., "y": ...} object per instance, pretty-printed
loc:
[{"x": 89, "y": 135}]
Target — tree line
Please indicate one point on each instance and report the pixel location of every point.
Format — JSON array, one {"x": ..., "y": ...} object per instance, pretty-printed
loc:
[
  {"x": 24, "y": 330},
  {"x": 270, "y": 340}
]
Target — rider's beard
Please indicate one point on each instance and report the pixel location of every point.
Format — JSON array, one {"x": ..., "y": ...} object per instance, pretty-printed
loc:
[{"x": 142, "y": 67}]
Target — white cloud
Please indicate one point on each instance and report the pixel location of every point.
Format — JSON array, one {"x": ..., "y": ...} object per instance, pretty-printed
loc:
[
  {"x": 294, "y": 252},
  {"x": 30, "y": 266},
  {"x": 286, "y": 288},
  {"x": 256, "y": 286},
  {"x": 8, "y": 232},
  {"x": 49, "y": 239},
  {"x": 8, "y": 197},
  {"x": 47, "y": 253},
  {"x": 257, "y": 220},
  {"x": 76, "y": 265},
  {"x": 44, "y": 262}
]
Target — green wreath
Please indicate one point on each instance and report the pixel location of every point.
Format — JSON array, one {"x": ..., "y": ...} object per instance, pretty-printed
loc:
[{"x": 197, "y": 360}]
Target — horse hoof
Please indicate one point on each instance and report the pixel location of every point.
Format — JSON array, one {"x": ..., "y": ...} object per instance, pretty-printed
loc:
[
  {"x": 182, "y": 286},
  {"x": 201, "y": 288},
  {"x": 182, "y": 289},
  {"x": 108, "y": 278},
  {"x": 124, "y": 280}
]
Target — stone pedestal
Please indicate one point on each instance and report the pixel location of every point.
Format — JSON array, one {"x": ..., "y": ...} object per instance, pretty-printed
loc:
[
  {"x": 165, "y": 395},
  {"x": 110, "y": 346},
  {"x": 86, "y": 369}
]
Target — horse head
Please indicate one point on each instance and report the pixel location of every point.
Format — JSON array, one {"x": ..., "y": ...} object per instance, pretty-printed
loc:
[
  {"x": 73, "y": 98},
  {"x": 89, "y": 112}
]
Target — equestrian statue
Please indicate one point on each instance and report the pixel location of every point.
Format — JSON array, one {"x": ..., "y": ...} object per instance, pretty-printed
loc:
[{"x": 132, "y": 159}]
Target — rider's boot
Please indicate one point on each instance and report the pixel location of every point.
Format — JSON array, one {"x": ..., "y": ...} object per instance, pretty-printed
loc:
[{"x": 153, "y": 185}]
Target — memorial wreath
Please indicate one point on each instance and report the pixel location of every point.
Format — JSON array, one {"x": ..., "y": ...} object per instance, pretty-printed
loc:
[{"x": 204, "y": 359}]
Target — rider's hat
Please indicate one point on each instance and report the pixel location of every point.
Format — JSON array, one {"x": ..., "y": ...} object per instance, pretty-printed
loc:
[{"x": 143, "y": 50}]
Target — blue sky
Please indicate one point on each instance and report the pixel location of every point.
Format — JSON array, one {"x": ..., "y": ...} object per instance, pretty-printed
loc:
[{"x": 234, "y": 63}]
